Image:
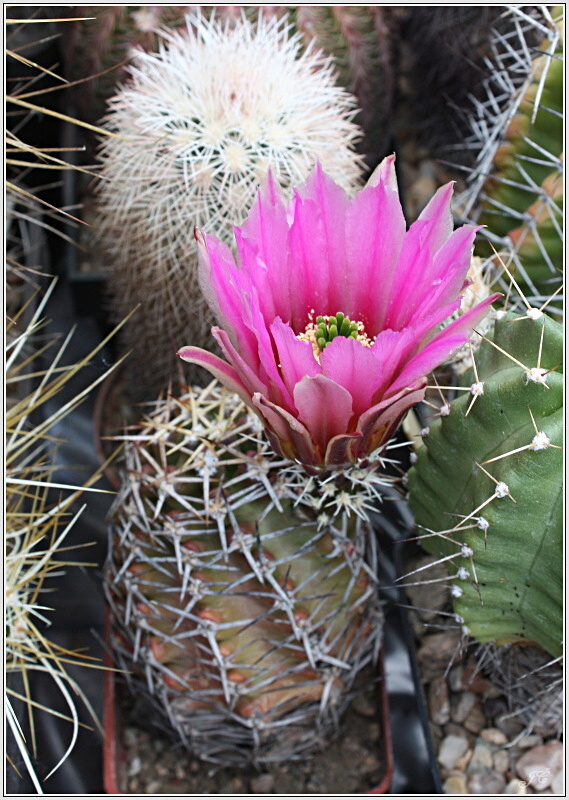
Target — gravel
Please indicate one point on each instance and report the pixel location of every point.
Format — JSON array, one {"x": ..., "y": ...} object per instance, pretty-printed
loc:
[{"x": 482, "y": 748}]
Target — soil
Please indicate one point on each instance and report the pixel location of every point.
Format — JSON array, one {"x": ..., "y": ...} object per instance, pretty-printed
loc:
[{"x": 353, "y": 763}]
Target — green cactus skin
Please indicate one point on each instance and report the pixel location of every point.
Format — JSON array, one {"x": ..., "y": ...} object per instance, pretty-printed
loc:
[
  {"x": 517, "y": 557},
  {"x": 516, "y": 186},
  {"x": 243, "y": 624},
  {"x": 523, "y": 199}
]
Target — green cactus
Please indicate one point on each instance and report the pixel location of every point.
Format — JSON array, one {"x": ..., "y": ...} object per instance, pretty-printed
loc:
[
  {"x": 240, "y": 597},
  {"x": 516, "y": 186},
  {"x": 489, "y": 485}
]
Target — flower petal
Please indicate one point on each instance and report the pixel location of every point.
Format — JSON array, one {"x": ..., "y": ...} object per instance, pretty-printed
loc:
[
  {"x": 416, "y": 264},
  {"x": 375, "y": 231},
  {"x": 217, "y": 274},
  {"x": 324, "y": 407},
  {"x": 320, "y": 276},
  {"x": 380, "y": 422},
  {"x": 438, "y": 212},
  {"x": 249, "y": 377},
  {"x": 262, "y": 245},
  {"x": 220, "y": 369},
  {"x": 394, "y": 349},
  {"x": 385, "y": 174},
  {"x": 355, "y": 367},
  {"x": 441, "y": 348},
  {"x": 295, "y": 358},
  {"x": 287, "y": 435},
  {"x": 451, "y": 265},
  {"x": 340, "y": 450}
]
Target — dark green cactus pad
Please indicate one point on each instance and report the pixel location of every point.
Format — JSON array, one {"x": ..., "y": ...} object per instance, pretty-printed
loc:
[{"x": 515, "y": 589}]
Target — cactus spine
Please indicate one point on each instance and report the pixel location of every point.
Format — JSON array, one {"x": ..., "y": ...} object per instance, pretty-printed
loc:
[
  {"x": 241, "y": 597},
  {"x": 516, "y": 185},
  {"x": 487, "y": 487}
]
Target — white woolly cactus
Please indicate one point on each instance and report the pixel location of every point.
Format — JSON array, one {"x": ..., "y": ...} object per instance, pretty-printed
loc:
[{"x": 198, "y": 126}]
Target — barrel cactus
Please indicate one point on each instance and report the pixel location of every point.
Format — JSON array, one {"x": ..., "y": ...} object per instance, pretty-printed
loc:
[
  {"x": 193, "y": 133},
  {"x": 243, "y": 601},
  {"x": 515, "y": 188},
  {"x": 486, "y": 489}
]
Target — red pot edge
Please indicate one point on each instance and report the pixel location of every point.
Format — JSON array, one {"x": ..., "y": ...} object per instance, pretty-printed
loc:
[{"x": 112, "y": 754}]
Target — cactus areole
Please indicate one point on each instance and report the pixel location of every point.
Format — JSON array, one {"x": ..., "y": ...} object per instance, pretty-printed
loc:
[{"x": 328, "y": 398}]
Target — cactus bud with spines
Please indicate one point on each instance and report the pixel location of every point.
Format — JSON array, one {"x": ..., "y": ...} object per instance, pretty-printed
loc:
[
  {"x": 241, "y": 598},
  {"x": 487, "y": 487}
]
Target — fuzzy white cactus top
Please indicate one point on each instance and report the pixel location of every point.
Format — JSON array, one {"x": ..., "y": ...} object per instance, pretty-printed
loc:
[{"x": 202, "y": 120}]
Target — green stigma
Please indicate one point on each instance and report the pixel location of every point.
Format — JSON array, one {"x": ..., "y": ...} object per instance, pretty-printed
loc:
[{"x": 327, "y": 328}]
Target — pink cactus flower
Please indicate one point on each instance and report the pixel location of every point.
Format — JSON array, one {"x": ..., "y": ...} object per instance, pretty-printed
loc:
[{"x": 332, "y": 318}]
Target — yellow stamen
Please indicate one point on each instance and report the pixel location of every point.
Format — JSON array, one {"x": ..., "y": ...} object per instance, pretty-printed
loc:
[{"x": 322, "y": 330}]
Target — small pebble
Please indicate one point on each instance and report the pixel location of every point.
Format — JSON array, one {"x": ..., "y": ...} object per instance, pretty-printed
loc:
[
  {"x": 494, "y": 706},
  {"x": 455, "y": 729},
  {"x": 452, "y": 748},
  {"x": 463, "y": 762},
  {"x": 461, "y": 705},
  {"x": 475, "y": 721},
  {"x": 263, "y": 784},
  {"x": 473, "y": 680},
  {"x": 439, "y": 703},
  {"x": 373, "y": 732},
  {"x": 456, "y": 784},
  {"x": 494, "y": 736},
  {"x": 501, "y": 761},
  {"x": 482, "y": 757},
  {"x": 516, "y": 786},
  {"x": 539, "y": 765},
  {"x": 130, "y": 736},
  {"x": 162, "y": 770},
  {"x": 134, "y": 766},
  {"x": 558, "y": 783},
  {"x": 455, "y": 678},
  {"x": 527, "y": 742},
  {"x": 364, "y": 704},
  {"x": 437, "y": 649},
  {"x": 510, "y": 726},
  {"x": 487, "y": 781},
  {"x": 153, "y": 787}
]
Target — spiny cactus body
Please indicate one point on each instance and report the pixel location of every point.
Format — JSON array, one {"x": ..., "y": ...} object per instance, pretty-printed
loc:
[
  {"x": 240, "y": 596},
  {"x": 193, "y": 134},
  {"x": 361, "y": 39},
  {"x": 489, "y": 485},
  {"x": 516, "y": 186}
]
